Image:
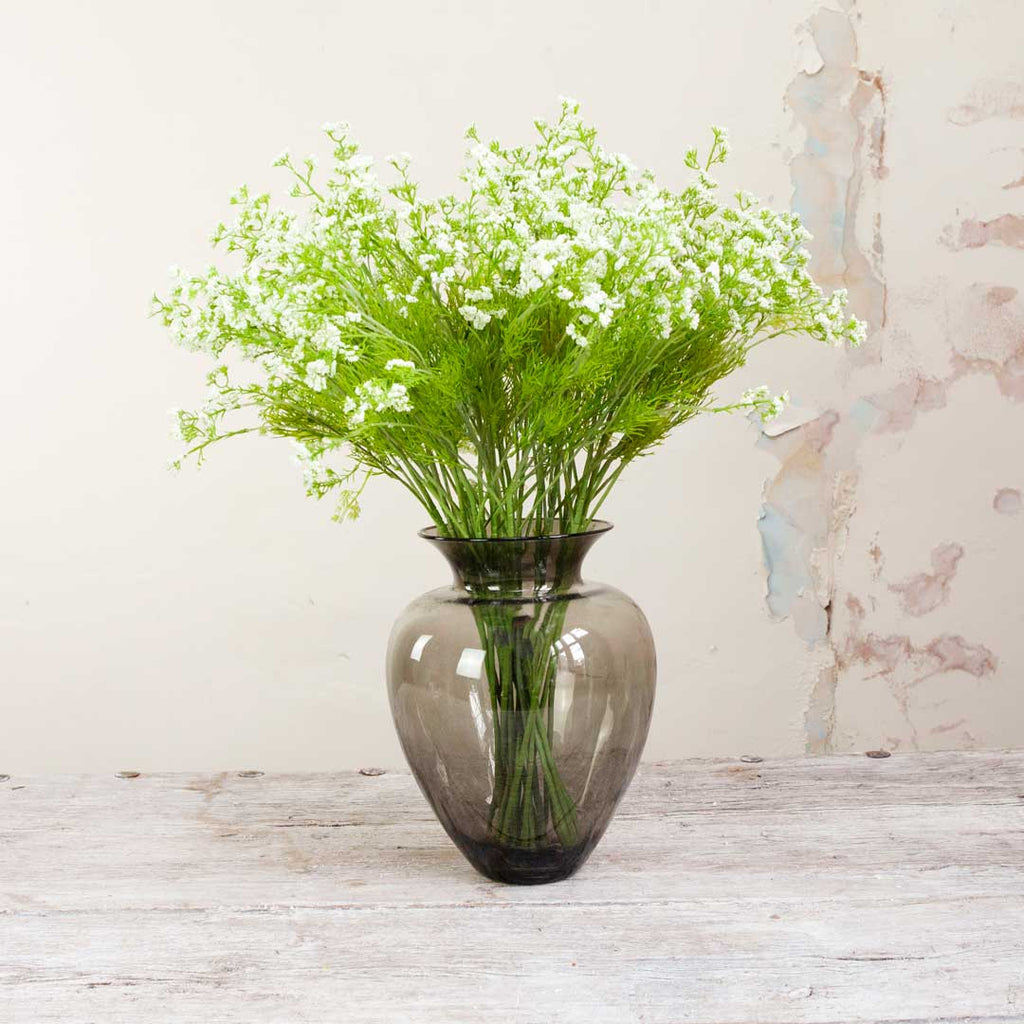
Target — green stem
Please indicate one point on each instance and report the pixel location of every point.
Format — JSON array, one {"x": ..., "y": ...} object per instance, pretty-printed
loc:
[{"x": 530, "y": 805}]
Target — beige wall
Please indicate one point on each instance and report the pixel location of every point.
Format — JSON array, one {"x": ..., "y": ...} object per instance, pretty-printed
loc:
[{"x": 219, "y": 619}]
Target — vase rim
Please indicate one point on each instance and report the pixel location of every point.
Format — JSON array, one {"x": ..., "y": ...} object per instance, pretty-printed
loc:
[{"x": 596, "y": 528}]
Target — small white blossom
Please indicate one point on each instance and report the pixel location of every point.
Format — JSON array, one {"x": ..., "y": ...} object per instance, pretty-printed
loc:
[
  {"x": 478, "y": 318},
  {"x": 754, "y": 396},
  {"x": 316, "y": 374},
  {"x": 375, "y": 396},
  {"x": 572, "y": 332},
  {"x": 314, "y": 473},
  {"x": 760, "y": 398},
  {"x": 356, "y": 411}
]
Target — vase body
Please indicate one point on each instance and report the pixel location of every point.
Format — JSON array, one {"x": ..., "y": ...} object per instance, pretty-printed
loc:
[{"x": 522, "y": 697}]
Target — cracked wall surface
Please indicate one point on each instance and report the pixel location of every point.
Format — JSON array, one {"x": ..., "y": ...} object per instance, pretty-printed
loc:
[{"x": 891, "y": 527}]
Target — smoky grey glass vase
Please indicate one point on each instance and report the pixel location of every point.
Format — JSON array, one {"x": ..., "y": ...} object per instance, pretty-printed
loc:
[{"x": 522, "y": 697}]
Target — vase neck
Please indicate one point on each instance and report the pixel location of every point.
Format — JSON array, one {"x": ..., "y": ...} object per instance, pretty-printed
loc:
[{"x": 517, "y": 564}]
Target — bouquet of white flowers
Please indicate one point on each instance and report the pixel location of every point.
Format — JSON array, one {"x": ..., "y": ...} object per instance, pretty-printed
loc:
[{"x": 503, "y": 352}]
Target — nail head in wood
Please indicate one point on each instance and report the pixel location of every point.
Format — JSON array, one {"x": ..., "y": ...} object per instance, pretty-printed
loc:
[
  {"x": 250, "y": 773},
  {"x": 877, "y": 753},
  {"x": 128, "y": 775},
  {"x": 751, "y": 759},
  {"x": 372, "y": 772}
]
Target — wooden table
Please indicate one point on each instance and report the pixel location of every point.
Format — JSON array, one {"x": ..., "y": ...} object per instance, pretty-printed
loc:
[{"x": 836, "y": 889}]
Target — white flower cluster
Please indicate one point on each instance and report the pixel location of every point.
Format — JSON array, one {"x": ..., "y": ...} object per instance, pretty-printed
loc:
[
  {"x": 376, "y": 396},
  {"x": 315, "y": 474},
  {"x": 761, "y": 399},
  {"x": 561, "y": 245},
  {"x": 568, "y": 221}
]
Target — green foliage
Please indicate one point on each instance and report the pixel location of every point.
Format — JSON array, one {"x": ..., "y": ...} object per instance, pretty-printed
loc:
[{"x": 503, "y": 352}]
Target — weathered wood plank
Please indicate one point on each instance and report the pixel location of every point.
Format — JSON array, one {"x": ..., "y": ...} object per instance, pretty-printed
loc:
[{"x": 819, "y": 890}]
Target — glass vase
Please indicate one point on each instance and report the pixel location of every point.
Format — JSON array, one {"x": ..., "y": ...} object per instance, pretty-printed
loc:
[{"x": 522, "y": 697}]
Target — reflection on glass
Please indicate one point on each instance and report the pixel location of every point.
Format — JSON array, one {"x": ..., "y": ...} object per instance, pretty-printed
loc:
[{"x": 525, "y": 721}]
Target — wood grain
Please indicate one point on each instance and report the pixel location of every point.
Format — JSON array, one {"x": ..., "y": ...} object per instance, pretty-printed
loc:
[{"x": 838, "y": 889}]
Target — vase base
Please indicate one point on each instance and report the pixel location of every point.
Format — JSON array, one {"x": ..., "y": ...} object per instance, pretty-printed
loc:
[{"x": 524, "y": 867}]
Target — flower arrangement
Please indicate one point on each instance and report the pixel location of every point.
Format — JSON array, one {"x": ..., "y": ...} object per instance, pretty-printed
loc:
[{"x": 503, "y": 352}]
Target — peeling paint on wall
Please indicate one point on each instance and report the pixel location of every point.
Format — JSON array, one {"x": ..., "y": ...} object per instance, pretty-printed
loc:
[
  {"x": 925, "y": 591},
  {"x": 1016, "y": 183},
  {"x": 1008, "y": 501},
  {"x": 924, "y": 346},
  {"x": 905, "y": 665},
  {"x": 794, "y": 524},
  {"x": 1007, "y": 229},
  {"x": 841, "y": 108},
  {"x": 899, "y": 407},
  {"x": 806, "y": 507},
  {"x": 983, "y": 338},
  {"x": 988, "y": 99}
]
